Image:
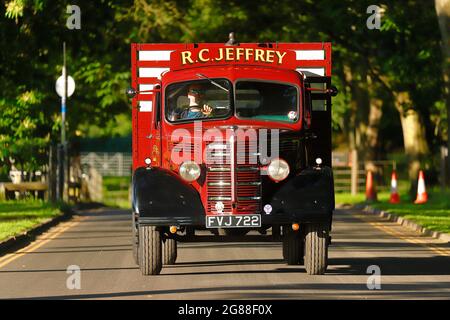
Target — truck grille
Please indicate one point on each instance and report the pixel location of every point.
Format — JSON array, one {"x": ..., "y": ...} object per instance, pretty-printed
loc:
[
  {"x": 248, "y": 189},
  {"x": 218, "y": 181},
  {"x": 241, "y": 195}
]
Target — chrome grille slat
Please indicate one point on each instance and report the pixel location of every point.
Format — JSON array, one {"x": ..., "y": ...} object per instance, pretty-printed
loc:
[
  {"x": 249, "y": 198},
  {"x": 219, "y": 169},
  {"x": 251, "y": 183},
  {"x": 220, "y": 183},
  {"x": 247, "y": 168},
  {"x": 219, "y": 198}
]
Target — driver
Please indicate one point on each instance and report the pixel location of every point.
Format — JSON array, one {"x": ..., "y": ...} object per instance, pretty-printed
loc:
[{"x": 194, "y": 110}]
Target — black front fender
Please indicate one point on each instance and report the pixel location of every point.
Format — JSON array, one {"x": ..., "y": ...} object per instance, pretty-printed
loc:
[
  {"x": 306, "y": 197},
  {"x": 161, "y": 197}
]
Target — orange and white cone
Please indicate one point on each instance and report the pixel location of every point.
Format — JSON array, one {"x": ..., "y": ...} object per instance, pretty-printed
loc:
[
  {"x": 422, "y": 196},
  {"x": 395, "y": 198},
  {"x": 371, "y": 193}
]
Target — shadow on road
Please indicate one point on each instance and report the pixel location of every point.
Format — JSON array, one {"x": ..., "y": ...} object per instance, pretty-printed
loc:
[
  {"x": 65, "y": 270},
  {"x": 337, "y": 266},
  {"x": 395, "y": 266},
  {"x": 329, "y": 290}
]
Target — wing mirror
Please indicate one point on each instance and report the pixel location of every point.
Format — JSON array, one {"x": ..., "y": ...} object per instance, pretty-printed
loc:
[
  {"x": 333, "y": 91},
  {"x": 130, "y": 92}
]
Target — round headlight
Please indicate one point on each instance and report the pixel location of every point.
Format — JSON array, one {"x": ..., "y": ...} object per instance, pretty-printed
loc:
[
  {"x": 190, "y": 171},
  {"x": 278, "y": 169}
]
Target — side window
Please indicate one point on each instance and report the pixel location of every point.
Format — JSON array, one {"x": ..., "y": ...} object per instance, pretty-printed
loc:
[
  {"x": 317, "y": 103},
  {"x": 307, "y": 113}
]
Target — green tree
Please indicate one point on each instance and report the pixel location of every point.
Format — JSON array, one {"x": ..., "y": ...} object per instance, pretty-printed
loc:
[{"x": 31, "y": 37}]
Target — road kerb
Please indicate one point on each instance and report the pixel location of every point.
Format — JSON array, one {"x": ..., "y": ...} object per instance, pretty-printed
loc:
[{"x": 405, "y": 222}]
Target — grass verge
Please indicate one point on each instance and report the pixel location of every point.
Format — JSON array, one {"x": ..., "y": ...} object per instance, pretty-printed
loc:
[
  {"x": 16, "y": 217},
  {"x": 115, "y": 192},
  {"x": 434, "y": 215}
]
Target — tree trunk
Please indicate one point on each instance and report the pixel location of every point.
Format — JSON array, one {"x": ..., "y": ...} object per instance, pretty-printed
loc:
[
  {"x": 443, "y": 14},
  {"x": 375, "y": 114},
  {"x": 356, "y": 77},
  {"x": 414, "y": 136},
  {"x": 360, "y": 95},
  {"x": 351, "y": 121}
]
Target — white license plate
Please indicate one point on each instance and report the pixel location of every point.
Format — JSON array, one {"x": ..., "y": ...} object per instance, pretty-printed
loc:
[{"x": 234, "y": 221}]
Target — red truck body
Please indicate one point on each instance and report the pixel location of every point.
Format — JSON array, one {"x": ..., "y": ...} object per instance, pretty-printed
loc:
[{"x": 258, "y": 93}]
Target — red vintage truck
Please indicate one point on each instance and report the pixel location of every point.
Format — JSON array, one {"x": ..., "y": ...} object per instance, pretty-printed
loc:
[{"x": 231, "y": 138}]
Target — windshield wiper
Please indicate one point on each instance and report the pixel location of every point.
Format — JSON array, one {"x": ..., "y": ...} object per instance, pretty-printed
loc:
[{"x": 212, "y": 81}]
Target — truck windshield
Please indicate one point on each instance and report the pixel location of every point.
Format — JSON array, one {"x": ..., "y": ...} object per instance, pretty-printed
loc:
[
  {"x": 266, "y": 101},
  {"x": 198, "y": 99}
]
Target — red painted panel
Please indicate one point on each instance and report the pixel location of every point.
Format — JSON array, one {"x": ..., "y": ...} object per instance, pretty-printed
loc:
[
  {"x": 142, "y": 120},
  {"x": 144, "y": 126}
]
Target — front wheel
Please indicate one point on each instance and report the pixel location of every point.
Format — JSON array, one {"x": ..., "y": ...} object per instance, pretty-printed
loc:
[
  {"x": 316, "y": 248},
  {"x": 276, "y": 233},
  {"x": 150, "y": 250},
  {"x": 135, "y": 238},
  {"x": 292, "y": 246},
  {"x": 170, "y": 251}
]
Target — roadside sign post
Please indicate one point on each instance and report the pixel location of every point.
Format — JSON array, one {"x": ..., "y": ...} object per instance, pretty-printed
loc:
[{"x": 65, "y": 87}]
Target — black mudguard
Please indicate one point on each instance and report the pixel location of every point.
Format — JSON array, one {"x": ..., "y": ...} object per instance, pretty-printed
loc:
[
  {"x": 161, "y": 198},
  {"x": 306, "y": 197}
]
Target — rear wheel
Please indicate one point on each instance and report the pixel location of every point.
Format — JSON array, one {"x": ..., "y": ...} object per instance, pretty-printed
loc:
[
  {"x": 150, "y": 250},
  {"x": 135, "y": 238},
  {"x": 285, "y": 250},
  {"x": 170, "y": 251},
  {"x": 316, "y": 248},
  {"x": 276, "y": 232},
  {"x": 292, "y": 246}
]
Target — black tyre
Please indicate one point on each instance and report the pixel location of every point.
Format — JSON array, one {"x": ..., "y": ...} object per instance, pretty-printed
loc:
[
  {"x": 316, "y": 248},
  {"x": 292, "y": 246},
  {"x": 150, "y": 250},
  {"x": 170, "y": 251},
  {"x": 285, "y": 250},
  {"x": 276, "y": 233},
  {"x": 135, "y": 238}
]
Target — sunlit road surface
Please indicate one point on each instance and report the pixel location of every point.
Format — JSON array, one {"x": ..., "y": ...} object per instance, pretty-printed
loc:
[{"x": 98, "y": 241}]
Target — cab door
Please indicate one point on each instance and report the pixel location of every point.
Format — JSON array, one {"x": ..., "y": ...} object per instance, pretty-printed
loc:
[
  {"x": 319, "y": 133},
  {"x": 146, "y": 128}
]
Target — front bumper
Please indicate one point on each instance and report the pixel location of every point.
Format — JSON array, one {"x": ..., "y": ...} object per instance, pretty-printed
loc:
[
  {"x": 305, "y": 198},
  {"x": 266, "y": 220}
]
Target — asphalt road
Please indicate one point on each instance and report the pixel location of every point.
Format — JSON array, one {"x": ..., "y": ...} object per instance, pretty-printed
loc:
[{"x": 98, "y": 241}]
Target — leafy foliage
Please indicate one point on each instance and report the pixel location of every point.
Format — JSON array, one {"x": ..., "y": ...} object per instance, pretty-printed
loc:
[{"x": 403, "y": 55}]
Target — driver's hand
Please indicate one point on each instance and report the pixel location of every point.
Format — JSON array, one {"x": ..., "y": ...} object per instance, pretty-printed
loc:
[{"x": 206, "y": 110}]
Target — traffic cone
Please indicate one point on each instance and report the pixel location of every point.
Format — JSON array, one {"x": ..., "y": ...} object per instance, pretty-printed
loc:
[
  {"x": 371, "y": 193},
  {"x": 395, "y": 198},
  {"x": 422, "y": 196}
]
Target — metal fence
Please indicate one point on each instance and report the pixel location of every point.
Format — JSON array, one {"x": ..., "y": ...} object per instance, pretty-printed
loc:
[
  {"x": 346, "y": 177},
  {"x": 351, "y": 178},
  {"x": 108, "y": 163}
]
